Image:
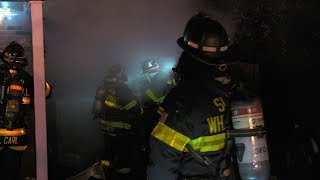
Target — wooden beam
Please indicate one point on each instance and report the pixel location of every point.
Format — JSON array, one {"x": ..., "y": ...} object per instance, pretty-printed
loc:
[{"x": 39, "y": 89}]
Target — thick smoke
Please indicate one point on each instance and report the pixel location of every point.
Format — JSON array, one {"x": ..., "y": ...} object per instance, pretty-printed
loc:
[{"x": 83, "y": 38}]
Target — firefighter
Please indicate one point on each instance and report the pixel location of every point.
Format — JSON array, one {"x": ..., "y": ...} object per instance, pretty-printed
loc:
[
  {"x": 153, "y": 91},
  {"x": 189, "y": 141},
  {"x": 118, "y": 111},
  {"x": 153, "y": 87},
  {"x": 16, "y": 102},
  {"x": 157, "y": 85}
]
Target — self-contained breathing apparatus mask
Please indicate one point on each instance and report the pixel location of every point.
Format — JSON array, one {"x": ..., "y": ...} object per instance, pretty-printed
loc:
[{"x": 14, "y": 99}]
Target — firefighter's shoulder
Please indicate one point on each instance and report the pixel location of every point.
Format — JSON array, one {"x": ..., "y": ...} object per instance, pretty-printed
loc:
[{"x": 172, "y": 98}]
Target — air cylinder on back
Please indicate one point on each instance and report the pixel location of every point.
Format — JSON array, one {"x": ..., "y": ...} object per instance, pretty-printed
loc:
[{"x": 252, "y": 151}]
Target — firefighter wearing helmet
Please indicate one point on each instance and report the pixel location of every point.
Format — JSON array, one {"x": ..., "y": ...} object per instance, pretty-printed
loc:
[
  {"x": 157, "y": 85},
  {"x": 153, "y": 88},
  {"x": 118, "y": 111},
  {"x": 16, "y": 100},
  {"x": 189, "y": 141}
]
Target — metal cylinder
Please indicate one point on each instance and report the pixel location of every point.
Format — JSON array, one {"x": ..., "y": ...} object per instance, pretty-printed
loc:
[
  {"x": 15, "y": 91},
  {"x": 252, "y": 151}
]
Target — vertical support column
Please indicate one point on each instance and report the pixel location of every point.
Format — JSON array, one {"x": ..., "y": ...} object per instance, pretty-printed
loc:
[{"x": 39, "y": 89}]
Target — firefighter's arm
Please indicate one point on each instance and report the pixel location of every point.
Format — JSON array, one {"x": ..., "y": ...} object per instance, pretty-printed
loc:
[
  {"x": 128, "y": 101},
  {"x": 164, "y": 160}
]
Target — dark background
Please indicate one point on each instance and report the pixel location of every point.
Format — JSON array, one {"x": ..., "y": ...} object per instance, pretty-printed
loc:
[{"x": 83, "y": 38}]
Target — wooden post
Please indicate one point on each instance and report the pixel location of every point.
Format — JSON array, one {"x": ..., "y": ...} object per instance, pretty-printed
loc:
[{"x": 39, "y": 89}]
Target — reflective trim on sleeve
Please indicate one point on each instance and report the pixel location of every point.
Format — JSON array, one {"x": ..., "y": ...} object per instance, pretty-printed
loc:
[
  {"x": 153, "y": 97},
  {"x": 160, "y": 110},
  {"x": 105, "y": 163},
  {"x": 112, "y": 104},
  {"x": 170, "y": 136},
  {"x": 105, "y": 124},
  {"x": 128, "y": 106},
  {"x": 178, "y": 141}
]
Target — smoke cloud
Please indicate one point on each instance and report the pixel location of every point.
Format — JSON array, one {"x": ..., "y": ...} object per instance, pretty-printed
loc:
[{"x": 83, "y": 38}]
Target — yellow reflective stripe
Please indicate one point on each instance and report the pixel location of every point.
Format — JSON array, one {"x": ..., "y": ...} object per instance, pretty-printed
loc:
[
  {"x": 105, "y": 124},
  {"x": 15, "y": 132},
  {"x": 18, "y": 148},
  {"x": 169, "y": 82},
  {"x": 178, "y": 141},
  {"x": 209, "y": 143},
  {"x": 170, "y": 136},
  {"x": 154, "y": 98},
  {"x": 112, "y": 104},
  {"x": 130, "y": 105},
  {"x": 105, "y": 163},
  {"x": 123, "y": 170},
  {"x": 160, "y": 110}
]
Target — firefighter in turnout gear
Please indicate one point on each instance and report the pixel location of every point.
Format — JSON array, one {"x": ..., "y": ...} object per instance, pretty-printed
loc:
[
  {"x": 157, "y": 84},
  {"x": 15, "y": 101},
  {"x": 152, "y": 89},
  {"x": 118, "y": 111},
  {"x": 189, "y": 142}
]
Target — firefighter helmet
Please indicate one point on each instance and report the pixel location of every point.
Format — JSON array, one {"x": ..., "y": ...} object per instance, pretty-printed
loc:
[
  {"x": 150, "y": 66},
  {"x": 116, "y": 73},
  {"x": 14, "y": 56},
  {"x": 207, "y": 41}
]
